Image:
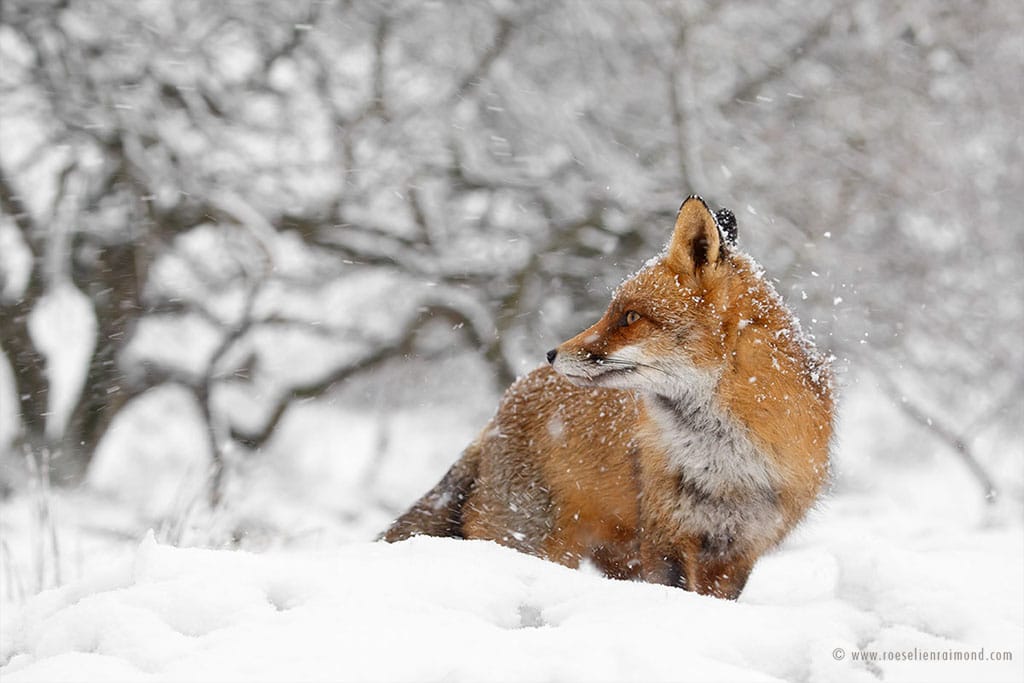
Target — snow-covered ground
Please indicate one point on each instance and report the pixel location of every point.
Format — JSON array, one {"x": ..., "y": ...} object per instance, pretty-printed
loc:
[{"x": 901, "y": 562}]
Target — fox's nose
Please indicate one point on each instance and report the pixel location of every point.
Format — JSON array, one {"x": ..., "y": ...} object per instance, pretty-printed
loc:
[{"x": 551, "y": 355}]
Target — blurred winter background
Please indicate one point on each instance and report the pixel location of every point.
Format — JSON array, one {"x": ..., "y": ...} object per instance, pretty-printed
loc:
[{"x": 265, "y": 267}]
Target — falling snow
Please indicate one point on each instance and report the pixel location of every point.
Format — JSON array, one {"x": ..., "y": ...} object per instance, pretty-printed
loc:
[{"x": 265, "y": 269}]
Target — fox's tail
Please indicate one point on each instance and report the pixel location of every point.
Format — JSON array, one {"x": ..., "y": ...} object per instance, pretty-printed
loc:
[{"x": 439, "y": 511}]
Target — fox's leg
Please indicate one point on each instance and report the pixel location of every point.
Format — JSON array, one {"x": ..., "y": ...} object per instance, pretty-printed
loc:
[
  {"x": 722, "y": 578},
  {"x": 682, "y": 564},
  {"x": 664, "y": 563},
  {"x": 618, "y": 560}
]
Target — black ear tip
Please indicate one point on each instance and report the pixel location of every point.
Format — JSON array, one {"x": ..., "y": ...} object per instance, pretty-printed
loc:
[
  {"x": 726, "y": 220},
  {"x": 694, "y": 198}
]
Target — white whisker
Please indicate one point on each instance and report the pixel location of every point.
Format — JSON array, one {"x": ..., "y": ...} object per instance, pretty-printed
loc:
[{"x": 632, "y": 364}]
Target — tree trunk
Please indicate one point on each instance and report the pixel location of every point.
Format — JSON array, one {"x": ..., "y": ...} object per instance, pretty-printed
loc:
[
  {"x": 112, "y": 284},
  {"x": 28, "y": 365}
]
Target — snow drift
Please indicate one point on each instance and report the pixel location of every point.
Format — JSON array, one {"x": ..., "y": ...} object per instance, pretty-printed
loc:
[{"x": 442, "y": 609}]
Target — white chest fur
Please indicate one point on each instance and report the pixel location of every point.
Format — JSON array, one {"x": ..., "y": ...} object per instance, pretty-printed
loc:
[{"x": 727, "y": 489}]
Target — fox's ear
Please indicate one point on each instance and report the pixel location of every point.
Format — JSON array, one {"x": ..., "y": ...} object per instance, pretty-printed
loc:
[{"x": 695, "y": 241}]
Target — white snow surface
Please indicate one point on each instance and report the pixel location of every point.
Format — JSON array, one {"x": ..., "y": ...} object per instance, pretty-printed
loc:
[{"x": 453, "y": 610}]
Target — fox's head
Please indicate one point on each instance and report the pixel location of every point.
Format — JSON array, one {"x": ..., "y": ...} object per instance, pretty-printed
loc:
[{"x": 666, "y": 328}]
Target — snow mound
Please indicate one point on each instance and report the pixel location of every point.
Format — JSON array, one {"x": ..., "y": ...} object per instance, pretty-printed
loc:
[{"x": 443, "y": 609}]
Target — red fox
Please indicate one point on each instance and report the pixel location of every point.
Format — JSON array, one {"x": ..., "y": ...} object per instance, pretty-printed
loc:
[{"x": 675, "y": 440}]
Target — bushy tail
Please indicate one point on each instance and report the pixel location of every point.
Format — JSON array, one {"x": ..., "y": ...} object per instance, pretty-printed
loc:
[{"x": 439, "y": 511}]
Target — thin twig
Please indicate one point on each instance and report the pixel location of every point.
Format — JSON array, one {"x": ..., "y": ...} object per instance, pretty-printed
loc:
[{"x": 958, "y": 443}]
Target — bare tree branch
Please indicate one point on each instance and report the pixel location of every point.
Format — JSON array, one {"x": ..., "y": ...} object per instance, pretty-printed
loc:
[
  {"x": 403, "y": 344},
  {"x": 472, "y": 78},
  {"x": 13, "y": 206},
  {"x": 746, "y": 91},
  {"x": 204, "y": 390},
  {"x": 958, "y": 443}
]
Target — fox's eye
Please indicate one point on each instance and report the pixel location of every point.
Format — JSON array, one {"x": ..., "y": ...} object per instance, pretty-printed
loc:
[{"x": 629, "y": 318}]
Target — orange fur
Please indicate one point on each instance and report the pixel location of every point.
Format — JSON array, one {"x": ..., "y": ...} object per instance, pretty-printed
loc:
[{"x": 675, "y": 440}]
